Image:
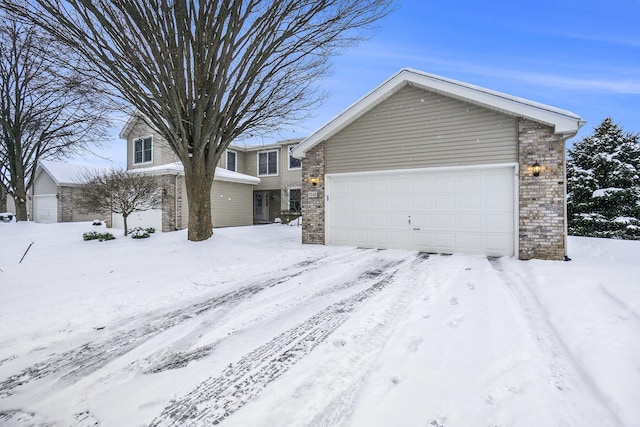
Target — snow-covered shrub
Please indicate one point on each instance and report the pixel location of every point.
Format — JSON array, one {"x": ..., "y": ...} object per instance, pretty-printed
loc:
[
  {"x": 138, "y": 233},
  {"x": 100, "y": 237},
  {"x": 106, "y": 236},
  {"x": 603, "y": 184},
  {"x": 150, "y": 230},
  {"x": 96, "y": 222},
  {"x": 90, "y": 235}
]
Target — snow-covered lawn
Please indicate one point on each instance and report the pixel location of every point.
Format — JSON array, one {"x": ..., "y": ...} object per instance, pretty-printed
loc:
[{"x": 251, "y": 328}]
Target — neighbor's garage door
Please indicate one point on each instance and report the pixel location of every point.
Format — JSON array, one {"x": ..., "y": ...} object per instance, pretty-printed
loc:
[
  {"x": 45, "y": 208},
  {"x": 468, "y": 210}
]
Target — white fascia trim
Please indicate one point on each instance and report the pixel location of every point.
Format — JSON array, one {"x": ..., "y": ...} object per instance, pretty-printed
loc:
[
  {"x": 177, "y": 169},
  {"x": 428, "y": 169},
  {"x": 563, "y": 121},
  {"x": 124, "y": 133}
]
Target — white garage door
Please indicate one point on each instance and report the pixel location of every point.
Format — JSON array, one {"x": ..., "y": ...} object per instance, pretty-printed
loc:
[
  {"x": 45, "y": 208},
  {"x": 144, "y": 219},
  {"x": 467, "y": 210}
]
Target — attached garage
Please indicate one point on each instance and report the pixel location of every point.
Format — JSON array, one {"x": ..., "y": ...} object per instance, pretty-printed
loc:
[
  {"x": 447, "y": 210},
  {"x": 45, "y": 208},
  {"x": 431, "y": 164}
]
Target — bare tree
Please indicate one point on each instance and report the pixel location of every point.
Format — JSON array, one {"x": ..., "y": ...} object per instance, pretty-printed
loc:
[
  {"x": 204, "y": 73},
  {"x": 118, "y": 191},
  {"x": 47, "y": 109},
  {"x": 3, "y": 198}
]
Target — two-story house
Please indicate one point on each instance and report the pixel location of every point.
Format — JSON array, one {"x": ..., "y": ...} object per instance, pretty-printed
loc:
[{"x": 252, "y": 184}]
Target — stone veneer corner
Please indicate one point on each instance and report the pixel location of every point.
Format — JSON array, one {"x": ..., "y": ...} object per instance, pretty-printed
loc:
[
  {"x": 542, "y": 198},
  {"x": 313, "y": 215}
]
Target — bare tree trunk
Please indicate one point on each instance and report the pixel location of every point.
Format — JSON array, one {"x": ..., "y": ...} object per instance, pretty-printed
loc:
[
  {"x": 3, "y": 199},
  {"x": 198, "y": 185},
  {"x": 124, "y": 219},
  {"x": 20, "y": 199}
]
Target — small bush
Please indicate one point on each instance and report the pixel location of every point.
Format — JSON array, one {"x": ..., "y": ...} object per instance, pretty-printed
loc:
[
  {"x": 139, "y": 233},
  {"x": 150, "y": 230},
  {"x": 94, "y": 235},
  {"x": 96, "y": 222},
  {"x": 106, "y": 236},
  {"x": 91, "y": 235}
]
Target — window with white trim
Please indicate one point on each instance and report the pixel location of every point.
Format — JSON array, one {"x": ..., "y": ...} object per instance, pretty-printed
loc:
[
  {"x": 268, "y": 163},
  {"x": 295, "y": 200},
  {"x": 293, "y": 162},
  {"x": 142, "y": 150},
  {"x": 231, "y": 160}
]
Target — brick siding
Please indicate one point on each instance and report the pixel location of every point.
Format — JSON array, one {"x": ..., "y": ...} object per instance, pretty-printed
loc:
[
  {"x": 542, "y": 198},
  {"x": 313, "y": 220}
]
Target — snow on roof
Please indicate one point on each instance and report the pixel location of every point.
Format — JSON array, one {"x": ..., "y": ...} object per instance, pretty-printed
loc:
[
  {"x": 67, "y": 174},
  {"x": 564, "y": 122},
  {"x": 176, "y": 168}
]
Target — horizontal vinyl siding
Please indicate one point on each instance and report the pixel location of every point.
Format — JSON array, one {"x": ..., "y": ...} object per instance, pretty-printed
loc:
[
  {"x": 416, "y": 128},
  {"x": 44, "y": 184},
  {"x": 290, "y": 178},
  {"x": 231, "y": 204},
  {"x": 162, "y": 153}
]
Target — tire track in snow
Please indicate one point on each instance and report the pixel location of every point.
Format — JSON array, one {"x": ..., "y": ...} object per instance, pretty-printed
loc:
[
  {"x": 89, "y": 357},
  {"x": 371, "y": 339},
  {"x": 564, "y": 370},
  {"x": 218, "y": 397}
]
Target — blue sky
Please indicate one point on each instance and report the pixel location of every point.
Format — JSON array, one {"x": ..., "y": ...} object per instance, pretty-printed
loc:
[{"x": 582, "y": 56}]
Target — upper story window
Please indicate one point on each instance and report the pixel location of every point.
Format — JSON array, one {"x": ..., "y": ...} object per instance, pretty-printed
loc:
[
  {"x": 231, "y": 160},
  {"x": 268, "y": 163},
  {"x": 293, "y": 162},
  {"x": 142, "y": 150}
]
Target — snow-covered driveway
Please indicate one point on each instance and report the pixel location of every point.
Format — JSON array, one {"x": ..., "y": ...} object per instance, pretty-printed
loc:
[{"x": 254, "y": 329}]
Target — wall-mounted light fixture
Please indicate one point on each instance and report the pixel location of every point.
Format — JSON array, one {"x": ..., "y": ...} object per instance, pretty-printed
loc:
[
  {"x": 314, "y": 180},
  {"x": 536, "y": 169}
]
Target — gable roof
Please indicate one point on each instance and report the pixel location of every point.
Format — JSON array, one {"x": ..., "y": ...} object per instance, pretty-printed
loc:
[
  {"x": 564, "y": 122},
  {"x": 67, "y": 174}
]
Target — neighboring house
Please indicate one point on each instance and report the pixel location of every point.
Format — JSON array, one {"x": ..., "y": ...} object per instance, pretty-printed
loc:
[
  {"x": 53, "y": 193},
  {"x": 279, "y": 173},
  {"x": 427, "y": 163},
  {"x": 252, "y": 185}
]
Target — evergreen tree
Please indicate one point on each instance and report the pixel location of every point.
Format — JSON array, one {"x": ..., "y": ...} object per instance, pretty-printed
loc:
[{"x": 603, "y": 182}]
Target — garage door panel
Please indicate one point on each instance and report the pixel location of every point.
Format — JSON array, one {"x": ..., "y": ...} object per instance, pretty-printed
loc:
[
  {"x": 398, "y": 220},
  {"x": 502, "y": 223},
  {"x": 444, "y": 201},
  {"x": 444, "y": 242},
  {"x": 446, "y": 222},
  {"x": 469, "y": 201},
  {"x": 456, "y": 210},
  {"x": 444, "y": 183},
  {"x": 468, "y": 222},
  {"x": 380, "y": 219},
  {"x": 470, "y": 242},
  {"x": 45, "y": 208}
]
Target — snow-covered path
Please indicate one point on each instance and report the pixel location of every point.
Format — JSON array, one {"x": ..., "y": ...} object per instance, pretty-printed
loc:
[{"x": 298, "y": 336}]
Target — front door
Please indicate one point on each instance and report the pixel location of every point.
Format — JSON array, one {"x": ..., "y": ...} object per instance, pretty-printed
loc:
[{"x": 260, "y": 206}]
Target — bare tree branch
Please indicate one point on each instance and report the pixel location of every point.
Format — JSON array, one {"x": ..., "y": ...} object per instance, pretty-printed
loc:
[
  {"x": 47, "y": 108},
  {"x": 118, "y": 191},
  {"x": 209, "y": 72}
]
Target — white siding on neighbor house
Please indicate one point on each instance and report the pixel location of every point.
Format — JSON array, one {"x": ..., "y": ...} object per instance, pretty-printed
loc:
[
  {"x": 416, "y": 128},
  {"x": 144, "y": 219},
  {"x": 44, "y": 184},
  {"x": 231, "y": 204}
]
